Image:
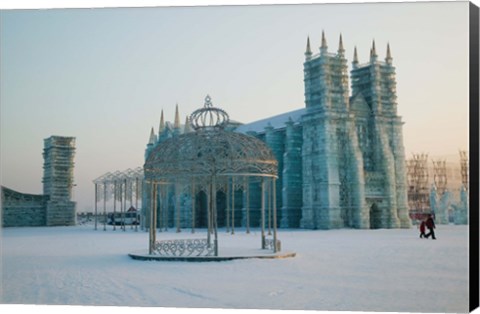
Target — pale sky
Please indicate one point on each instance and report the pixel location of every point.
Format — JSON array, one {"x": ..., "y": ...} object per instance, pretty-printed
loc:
[{"x": 104, "y": 75}]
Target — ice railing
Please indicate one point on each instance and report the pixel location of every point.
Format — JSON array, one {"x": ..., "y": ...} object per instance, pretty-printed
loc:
[{"x": 184, "y": 247}]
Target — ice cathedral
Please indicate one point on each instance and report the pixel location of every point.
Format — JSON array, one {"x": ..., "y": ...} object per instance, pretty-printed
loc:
[{"x": 341, "y": 159}]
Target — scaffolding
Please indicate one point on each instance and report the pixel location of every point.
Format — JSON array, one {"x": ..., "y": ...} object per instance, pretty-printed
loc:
[
  {"x": 417, "y": 179},
  {"x": 464, "y": 168},
  {"x": 440, "y": 176}
]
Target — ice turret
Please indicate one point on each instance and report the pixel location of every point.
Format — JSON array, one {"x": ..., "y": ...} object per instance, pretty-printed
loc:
[
  {"x": 176, "y": 123},
  {"x": 373, "y": 52},
  {"x": 388, "y": 59},
  {"x": 187, "y": 128},
  {"x": 153, "y": 138},
  {"x": 341, "y": 50},
  {"x": 308, "y": 52},
  {"x": 355, "y": 58},
  {"x": 161, "y": 128},
  {"x": 323, "y": 47}
]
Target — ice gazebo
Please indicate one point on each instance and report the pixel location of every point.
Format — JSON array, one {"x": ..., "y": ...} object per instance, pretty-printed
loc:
[{"x": 212, "y": 159}]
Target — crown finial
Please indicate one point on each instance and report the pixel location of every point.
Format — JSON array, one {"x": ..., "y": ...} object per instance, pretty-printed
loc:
[
  {"x": 208, "y": 117},
  {"x": 208, "y": 102}
]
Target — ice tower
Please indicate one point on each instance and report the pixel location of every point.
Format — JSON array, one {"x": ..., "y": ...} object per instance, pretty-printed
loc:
[{"x": 58, "y": 154}]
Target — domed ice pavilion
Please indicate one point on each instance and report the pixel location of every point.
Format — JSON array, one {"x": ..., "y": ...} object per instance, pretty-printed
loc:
[{"x": 209, "y": 161}]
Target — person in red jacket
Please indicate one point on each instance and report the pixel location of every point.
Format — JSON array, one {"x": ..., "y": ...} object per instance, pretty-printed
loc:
[
  {"x": 422, "y": 229},
  {"x": 430, "y": 224}
]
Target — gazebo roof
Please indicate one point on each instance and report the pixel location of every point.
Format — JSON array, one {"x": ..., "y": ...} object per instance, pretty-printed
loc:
[{"x": 209, "y": 151}]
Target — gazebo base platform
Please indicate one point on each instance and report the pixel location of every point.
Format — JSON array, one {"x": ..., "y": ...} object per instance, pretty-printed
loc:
[{"x": 222, "y": 257}]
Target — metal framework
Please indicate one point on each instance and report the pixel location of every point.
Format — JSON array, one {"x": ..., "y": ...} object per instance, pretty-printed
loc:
[
  {"x": 464, "y": 168},
  {"x": 440, "y": 176},
  {"x": 121, "y": 186},
  {"x": 417, "y": 177},
  {"x": 208, "y": 160}
]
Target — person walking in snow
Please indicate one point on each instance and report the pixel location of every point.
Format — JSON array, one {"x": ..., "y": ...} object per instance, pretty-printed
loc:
[
  {"x": 430, "y": 224},
  {"x": 422, "y": 229}
]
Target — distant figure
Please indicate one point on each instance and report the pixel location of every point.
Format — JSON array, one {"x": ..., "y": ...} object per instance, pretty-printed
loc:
[
  {"x": 422, "y": 229},
  {"x": 430, "y": 225}
]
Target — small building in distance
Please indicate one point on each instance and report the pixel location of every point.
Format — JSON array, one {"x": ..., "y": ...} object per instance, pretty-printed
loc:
[{"x": 55, "y": 207}]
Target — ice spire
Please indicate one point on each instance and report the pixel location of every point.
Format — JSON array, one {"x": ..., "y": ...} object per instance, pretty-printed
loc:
[
  {"x": 162, "y": 124},
  {"x": 388, "y": 59},
  {"x": 341, "y": 50},
  {"x": 355, "y": 58},
  {"x": 153, "y": 138},
  {"x": 323, "y": 47},
  {"x": 176, "y": 123},
  {"x": 308, "y": 52},
  {"x": 373, "y": 51},
  {"x": 187, "y": 128}
]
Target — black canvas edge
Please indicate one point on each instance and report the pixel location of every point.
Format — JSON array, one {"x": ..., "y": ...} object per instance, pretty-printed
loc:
[{"x": 473, "y": 158}]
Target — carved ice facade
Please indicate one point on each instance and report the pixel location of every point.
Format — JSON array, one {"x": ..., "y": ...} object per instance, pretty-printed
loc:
[{"x": 341, "y": 159}]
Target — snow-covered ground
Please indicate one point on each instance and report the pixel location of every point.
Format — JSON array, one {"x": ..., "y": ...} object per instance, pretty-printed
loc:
[{"x": 341, "y": 270}]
